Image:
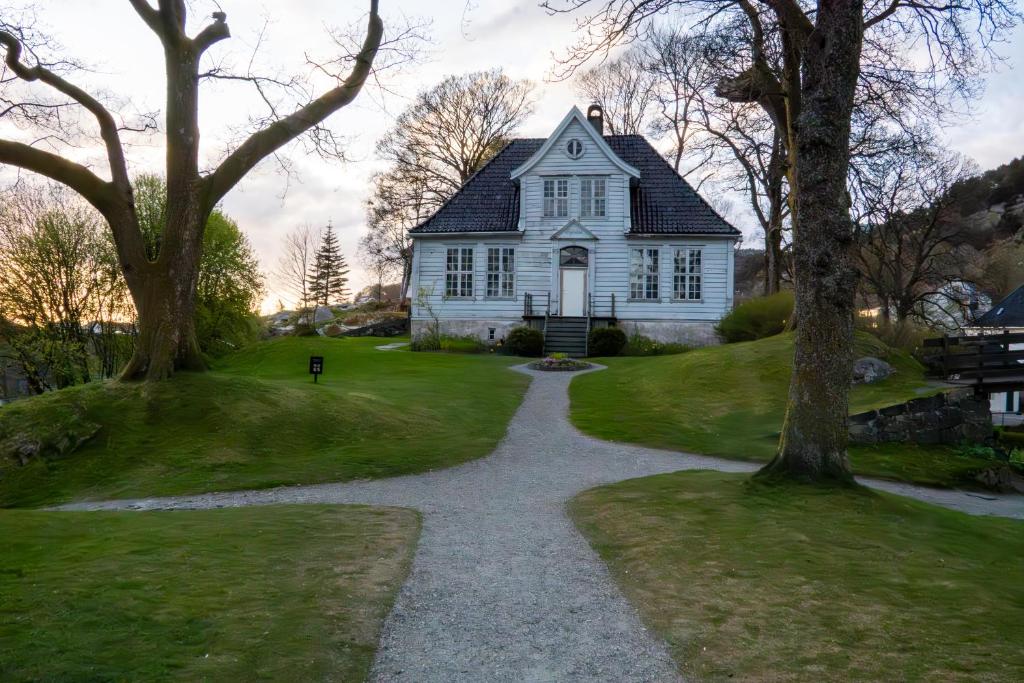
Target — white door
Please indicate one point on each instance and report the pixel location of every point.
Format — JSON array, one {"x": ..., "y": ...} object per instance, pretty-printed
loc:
[{"x": 574, "y": 291}]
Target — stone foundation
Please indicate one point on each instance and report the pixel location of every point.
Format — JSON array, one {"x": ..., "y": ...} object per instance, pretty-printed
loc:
[
  {"x": 690, "y": 333},
  {"x": 948, "y": 418},
  {"x": 468, "y": 328},
  {"x": 666, "y": 331}
]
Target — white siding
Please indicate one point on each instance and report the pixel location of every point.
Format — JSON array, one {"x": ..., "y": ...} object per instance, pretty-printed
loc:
[{"x": 537, "y": 252}]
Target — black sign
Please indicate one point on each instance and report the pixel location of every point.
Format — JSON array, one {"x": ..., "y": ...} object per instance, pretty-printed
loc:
[{"x": 316, "y": 366}]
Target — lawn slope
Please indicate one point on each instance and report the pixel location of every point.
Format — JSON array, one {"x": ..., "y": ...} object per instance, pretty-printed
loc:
[
  {"x": 729, "y": 401},
  {"x": 257, "y": 420},
  {"x": 795, "y": 583},
  {"x": 263, "y": 593}
]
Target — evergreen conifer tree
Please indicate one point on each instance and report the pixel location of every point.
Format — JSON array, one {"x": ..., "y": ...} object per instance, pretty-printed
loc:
[{"x": 328, "y": 278}]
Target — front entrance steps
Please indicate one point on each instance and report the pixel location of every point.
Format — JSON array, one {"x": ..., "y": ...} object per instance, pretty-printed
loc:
[{"x": 566, "y": 335}]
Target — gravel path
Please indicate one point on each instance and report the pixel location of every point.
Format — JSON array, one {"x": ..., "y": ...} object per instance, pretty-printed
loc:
[{"x": 503, "y": 588}]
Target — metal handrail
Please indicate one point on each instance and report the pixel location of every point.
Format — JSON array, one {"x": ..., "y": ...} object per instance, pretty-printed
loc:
[
  {"x": 547, "y": 315},
  {"x": 590, "y": 313}
]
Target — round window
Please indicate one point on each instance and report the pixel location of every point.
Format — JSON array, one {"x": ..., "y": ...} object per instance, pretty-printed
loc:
[{"x": 574, "y": 148}]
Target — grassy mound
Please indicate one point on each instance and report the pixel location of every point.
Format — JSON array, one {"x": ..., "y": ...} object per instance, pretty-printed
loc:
[
  {"x": 257, "y": 420},
  {"x": 729, "y": 401},
  {"x": 782, "y": 583},
  {"x": 264, "y": 593}
]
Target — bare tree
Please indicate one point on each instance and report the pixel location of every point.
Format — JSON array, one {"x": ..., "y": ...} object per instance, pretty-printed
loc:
[
  {"x": 453, "y": 128},
  {"x": 445, "y": 136},
  {"x": 624, "y": 88},
  {"x": 909, "y": 231},
  {"x": 164, "y": 290},
  {"x": 821, "y": 49},
  {"x": 400, "y": 201},
  {"x": 298, "y": 253},
  {"x": 377, "y": 254}
]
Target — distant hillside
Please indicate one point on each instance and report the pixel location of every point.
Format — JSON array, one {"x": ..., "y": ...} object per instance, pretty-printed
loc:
[{"x": 992, "y": 204}]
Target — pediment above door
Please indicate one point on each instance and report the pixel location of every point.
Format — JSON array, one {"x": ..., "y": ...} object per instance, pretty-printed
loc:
[{"x": 573, "y": 230}]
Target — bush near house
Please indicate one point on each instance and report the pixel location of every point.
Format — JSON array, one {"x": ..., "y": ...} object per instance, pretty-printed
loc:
[
  {"x": 606, "y": 341},
  {"x": 756, "y": 319},
  {"x": 525, "y": 341},
  {"x": 639, "y": 345},
  {"x": 464, "y": 344}
]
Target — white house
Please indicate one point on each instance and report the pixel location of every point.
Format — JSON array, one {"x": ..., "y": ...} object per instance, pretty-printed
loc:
[
  {"x": 571, "y": 232},
  {"x": 1007, "y": 316}
]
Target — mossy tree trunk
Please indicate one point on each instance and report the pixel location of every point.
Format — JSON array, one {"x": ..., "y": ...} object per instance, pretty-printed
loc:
[{"x": 814, "y": 434}]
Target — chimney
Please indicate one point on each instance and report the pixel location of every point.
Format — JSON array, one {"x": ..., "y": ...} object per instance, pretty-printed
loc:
[{"x": 596, "y": 117}]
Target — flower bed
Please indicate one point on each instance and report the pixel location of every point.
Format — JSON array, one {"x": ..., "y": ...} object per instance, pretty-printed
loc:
[{"x": 559, "y": 363}]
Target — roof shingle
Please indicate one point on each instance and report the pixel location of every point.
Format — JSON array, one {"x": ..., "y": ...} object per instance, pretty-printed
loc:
[
  {"x": 661, "y": 202},
  {"x": 1007, "y": 313}
]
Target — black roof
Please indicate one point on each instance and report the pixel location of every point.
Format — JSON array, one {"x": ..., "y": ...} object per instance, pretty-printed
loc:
[
  {"x": 1007, "y": 313},
  {"x": 660, "y": 201}
]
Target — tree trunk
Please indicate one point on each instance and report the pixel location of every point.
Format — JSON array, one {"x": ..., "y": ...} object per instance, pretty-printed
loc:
[
  {"x": 164, "y": 293},
  {"x": 167, "y": 336},
  {"x": 814, "y": 434}
]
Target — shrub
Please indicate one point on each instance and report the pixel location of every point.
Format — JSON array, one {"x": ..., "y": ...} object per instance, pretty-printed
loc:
[
  {"x": 525, "y": 341},
  {"x": 639, "y": 345},
  {"x": 606, "y": 341},
  {"x": 762, "y": 317},
  {"x": 428, "y": 341},
  {"x": 977, "y": 450},
  {"x": 1011, "y": 439},
  {"x": 466, "y": 344},
  {"x": 907, "y": 335}
]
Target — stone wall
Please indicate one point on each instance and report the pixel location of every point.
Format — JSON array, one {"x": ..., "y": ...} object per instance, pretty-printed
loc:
[{"x": 948, "y": 418}]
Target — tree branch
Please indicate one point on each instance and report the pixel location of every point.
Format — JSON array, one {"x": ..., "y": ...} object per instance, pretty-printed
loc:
[
  {"x": 94, "y": 189},
  {"x": 266, "y": 141},
  {"x": 214, "y": 33},
  {"x": 108, "y": 127},
  {"x": 149, "y": 15}
]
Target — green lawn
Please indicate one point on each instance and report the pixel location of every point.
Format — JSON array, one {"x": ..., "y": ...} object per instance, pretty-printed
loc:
[
  {"x": 257, "y": 420},
  {"x": 729, "y": 401},
  {"x": 264, "y": 593},
  {"x": 792, "y": 583}
]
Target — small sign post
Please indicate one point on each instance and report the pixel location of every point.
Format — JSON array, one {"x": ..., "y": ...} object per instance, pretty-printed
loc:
[{"x": 316, "y": 367}]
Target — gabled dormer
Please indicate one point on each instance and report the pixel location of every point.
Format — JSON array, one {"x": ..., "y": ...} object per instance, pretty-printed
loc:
[{"x": 576, "y": 139}]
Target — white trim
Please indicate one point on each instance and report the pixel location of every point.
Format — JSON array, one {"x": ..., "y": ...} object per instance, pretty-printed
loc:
[
  {"x": 576, "y": 115},
  {"x": 570, "y": 226},
  {"x": 452, "y": 235}
]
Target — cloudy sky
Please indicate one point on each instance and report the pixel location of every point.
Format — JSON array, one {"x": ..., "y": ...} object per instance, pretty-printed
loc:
[{"x": 516, "y": 35}]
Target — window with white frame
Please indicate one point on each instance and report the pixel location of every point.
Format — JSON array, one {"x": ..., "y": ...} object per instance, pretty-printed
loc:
[
  {"x": 458, "y": 280},
  {"x": 643, "y": 273},
  {"x": 687, "y": 283},
  {"x": 593, "y": 197},
  {"x": 501, "y": 272},
  {"x": 556, "y": 197}
]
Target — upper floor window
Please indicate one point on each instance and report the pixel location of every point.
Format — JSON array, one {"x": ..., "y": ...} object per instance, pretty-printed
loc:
[
  {"x": 574, "y": 149},
  {"x": 643, "y": 273},
  {"x": 501, "y": 272},
  {"x": 687, "y": 279},
  {"x": 458, "y": 276},
  {"x": 556, "y": 197},
  {"x": 592, "y": 197}
]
